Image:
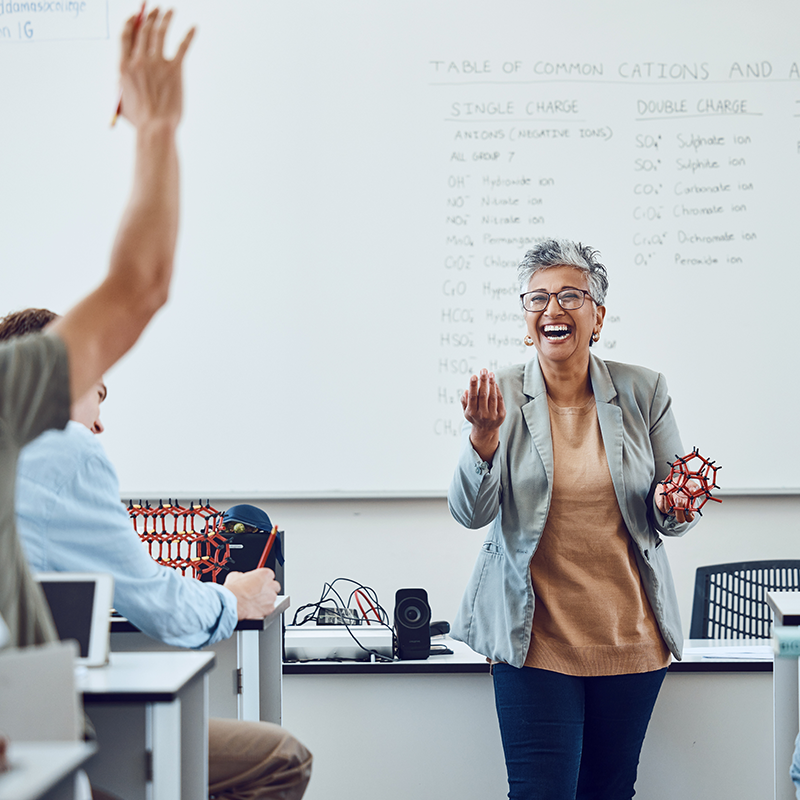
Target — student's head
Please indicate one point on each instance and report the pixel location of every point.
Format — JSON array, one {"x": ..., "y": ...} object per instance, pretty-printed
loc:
[
  {"x": 86, "y": 409},
  {"x": 30, "y": 320}
]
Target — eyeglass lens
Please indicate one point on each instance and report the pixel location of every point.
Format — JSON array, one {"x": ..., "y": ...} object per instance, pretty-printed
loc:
[{"x": 568, "y": 299}]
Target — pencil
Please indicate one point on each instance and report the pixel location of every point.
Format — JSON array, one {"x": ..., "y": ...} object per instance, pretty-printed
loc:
[
  {"x": 267, "y": 547},
  {"x": 136, "y": 26}
]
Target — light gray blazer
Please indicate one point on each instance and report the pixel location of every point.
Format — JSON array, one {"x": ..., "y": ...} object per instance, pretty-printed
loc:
[{"x": 640, "y": 438}]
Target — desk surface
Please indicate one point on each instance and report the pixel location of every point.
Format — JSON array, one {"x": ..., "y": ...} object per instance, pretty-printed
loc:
[
  {"x": 754, "y": 655},
  {"x": 36, "y": 767},
  {"x": 155, "y": 677},
  {"x": 120, "y": 624},
  {"x": 786, "y": 607}
]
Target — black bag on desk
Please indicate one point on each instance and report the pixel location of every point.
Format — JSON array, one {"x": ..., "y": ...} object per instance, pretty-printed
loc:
[{"x": 246, "y": 546}]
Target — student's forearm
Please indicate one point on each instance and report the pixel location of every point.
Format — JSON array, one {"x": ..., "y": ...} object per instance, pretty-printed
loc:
[
  {"x": 103, "y": 326},
  {"x": 144, "y": 248},
  {"x": 106, "y": 324}
]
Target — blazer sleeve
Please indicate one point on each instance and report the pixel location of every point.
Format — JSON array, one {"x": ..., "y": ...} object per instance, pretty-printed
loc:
[
  {"x": 666, "y": 443},
  {"x": 475, "y": 491}
]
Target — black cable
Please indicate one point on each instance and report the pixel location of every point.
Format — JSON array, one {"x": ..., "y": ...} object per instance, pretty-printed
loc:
[{"x": 328, "y": 588}]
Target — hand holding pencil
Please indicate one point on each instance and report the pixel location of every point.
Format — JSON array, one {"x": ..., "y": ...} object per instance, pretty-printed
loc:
[
  {"x": 267, "y": 547},
  {"x": 257, "y": 590}
]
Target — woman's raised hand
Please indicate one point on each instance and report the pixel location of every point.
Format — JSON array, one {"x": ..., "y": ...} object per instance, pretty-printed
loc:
[{"x": 484, "y": 408}]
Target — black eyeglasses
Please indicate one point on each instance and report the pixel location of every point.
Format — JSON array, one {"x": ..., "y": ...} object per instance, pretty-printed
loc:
[{"x": 568, "y": 299}]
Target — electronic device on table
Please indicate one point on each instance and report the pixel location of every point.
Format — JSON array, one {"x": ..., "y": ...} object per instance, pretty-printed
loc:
[
  {"x": 80, "y": 603},
  {"x": 358, "y": 628}
]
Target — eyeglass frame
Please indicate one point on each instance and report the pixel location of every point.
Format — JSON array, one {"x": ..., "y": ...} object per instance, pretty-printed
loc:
[{"x": 556, "y": 294}]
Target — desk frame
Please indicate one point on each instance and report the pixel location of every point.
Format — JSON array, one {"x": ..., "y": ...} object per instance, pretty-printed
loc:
[
  {"x": 150, "y": 712},
  {"x": 248, "y": 681},
  {"x": 785, "y": 696},
  {"x": 43, "y": 770}
]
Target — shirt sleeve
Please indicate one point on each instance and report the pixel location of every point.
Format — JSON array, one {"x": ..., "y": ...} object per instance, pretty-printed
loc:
[
  {"x": 34, "y": 394},
  {"x": 80, "y": 525}
]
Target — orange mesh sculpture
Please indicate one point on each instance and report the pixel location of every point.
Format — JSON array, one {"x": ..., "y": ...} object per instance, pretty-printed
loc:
[{"x": 187, "y": 539}]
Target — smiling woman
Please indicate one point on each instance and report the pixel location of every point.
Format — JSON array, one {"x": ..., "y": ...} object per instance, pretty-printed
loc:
[{"x": 572, "y": 597}]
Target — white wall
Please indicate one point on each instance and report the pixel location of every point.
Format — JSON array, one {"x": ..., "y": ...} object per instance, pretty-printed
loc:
[{"x": 389, "y": 544}]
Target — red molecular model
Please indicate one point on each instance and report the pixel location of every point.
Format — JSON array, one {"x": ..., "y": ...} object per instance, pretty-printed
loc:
[
  {"x": 693, "y": 476},
  {"x": 182, "y": 538}
]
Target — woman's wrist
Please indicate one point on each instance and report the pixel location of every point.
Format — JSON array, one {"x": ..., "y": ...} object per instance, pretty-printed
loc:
[{"x": 485, "y": 446}]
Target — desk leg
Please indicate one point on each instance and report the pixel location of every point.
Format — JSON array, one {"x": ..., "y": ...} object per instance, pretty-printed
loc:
[
  {"x": 194, "y": 739},
  {"x": 785, "y": 697},
  {"x": 162, "y": 742},
  {"x": 121, "y": 728},
  {"x": 247, "y": 651},
  {"x": 271, "y": 658}
]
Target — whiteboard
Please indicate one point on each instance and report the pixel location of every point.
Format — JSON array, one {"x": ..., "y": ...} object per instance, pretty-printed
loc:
[{"x": 360, "y": 180}]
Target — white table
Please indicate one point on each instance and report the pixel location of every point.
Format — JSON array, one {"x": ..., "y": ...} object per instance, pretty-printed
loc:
[
  {"x": 247, "y": 682},
  {"x": 43, "y": 770},
  {"x": 150, "y": 711},
  {"x": 429, "y": 729},
  {"x": 786, "y": 611}
]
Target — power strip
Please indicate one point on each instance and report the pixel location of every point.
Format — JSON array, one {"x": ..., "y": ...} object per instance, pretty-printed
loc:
[{"x": 304, "y": 642}]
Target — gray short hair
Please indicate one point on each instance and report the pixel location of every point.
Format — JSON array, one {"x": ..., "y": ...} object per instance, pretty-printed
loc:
[{"x": 564, "y": 253}]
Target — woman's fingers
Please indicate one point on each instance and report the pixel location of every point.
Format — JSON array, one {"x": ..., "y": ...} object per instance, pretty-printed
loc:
[
  {"x": 670, "y": 499},
  {"x": 482, "y": 401}
]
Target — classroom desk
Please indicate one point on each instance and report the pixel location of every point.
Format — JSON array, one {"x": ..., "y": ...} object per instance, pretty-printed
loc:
[
  {"x": 786, "y": 611},
  {"x": 247, "y": 682},
  {"x": 150, "y": 711},
  {"x": 429, "y": 729},
  {"x": 43, "y": 770}
]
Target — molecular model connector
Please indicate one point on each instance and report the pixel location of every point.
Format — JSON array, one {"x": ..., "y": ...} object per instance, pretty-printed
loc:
[{"x": 693, "y": 476}]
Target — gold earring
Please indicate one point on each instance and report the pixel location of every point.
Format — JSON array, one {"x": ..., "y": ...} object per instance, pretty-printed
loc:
[
  {"x": 596, "y": 336},
  {"x": 528, "y": 341}
]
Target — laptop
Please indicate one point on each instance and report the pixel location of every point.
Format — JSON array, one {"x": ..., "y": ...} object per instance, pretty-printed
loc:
[{"x": 80, "y": 603}]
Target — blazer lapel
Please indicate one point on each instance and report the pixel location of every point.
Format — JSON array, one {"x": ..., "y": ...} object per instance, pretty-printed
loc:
[
  {"x": 537, "y": 415},
  {"x": 609, "y": 416}
]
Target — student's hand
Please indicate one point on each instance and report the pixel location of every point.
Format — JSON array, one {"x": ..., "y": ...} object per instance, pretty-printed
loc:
[
  {"x": 668, "y": 496},
  {"x": 151, "y": 84},
  {"x": 484, "y": 408},
  {"x": 256, "y": 592}
]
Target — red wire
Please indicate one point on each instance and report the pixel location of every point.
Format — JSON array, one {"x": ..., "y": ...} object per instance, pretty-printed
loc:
[
  {"x": 366, "y": 597},
  {"x": 361, "y": 608}
]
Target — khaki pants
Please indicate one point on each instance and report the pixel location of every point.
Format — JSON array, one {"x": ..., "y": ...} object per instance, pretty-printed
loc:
[
  {"x": 250, "y": 761},
  {"x": 254, "y": 760}
]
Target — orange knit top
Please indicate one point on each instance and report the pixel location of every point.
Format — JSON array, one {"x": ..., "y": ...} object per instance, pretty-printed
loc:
[{"x": 592, "y": 616}]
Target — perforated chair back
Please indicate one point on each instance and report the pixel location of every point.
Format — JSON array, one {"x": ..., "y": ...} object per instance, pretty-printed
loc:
[{"x": 730, "y": 602}]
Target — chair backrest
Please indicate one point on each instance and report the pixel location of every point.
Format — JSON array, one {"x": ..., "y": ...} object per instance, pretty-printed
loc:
[{"x": 730, "y": 602}]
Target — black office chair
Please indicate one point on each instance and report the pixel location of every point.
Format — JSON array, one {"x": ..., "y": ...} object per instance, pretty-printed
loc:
[{"x": 730, "y": 601}]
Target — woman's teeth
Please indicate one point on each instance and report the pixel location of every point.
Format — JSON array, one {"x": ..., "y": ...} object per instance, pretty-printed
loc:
[{"x": 556, "y": 331}]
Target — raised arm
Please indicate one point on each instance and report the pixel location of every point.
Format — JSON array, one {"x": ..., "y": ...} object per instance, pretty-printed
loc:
[
  {"x": 474, "y": 494},
  {"x": 104, "y": 325}
]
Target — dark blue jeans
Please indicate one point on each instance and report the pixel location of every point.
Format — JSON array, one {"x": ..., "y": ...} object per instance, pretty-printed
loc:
[{"x": 572, "y": 738}]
